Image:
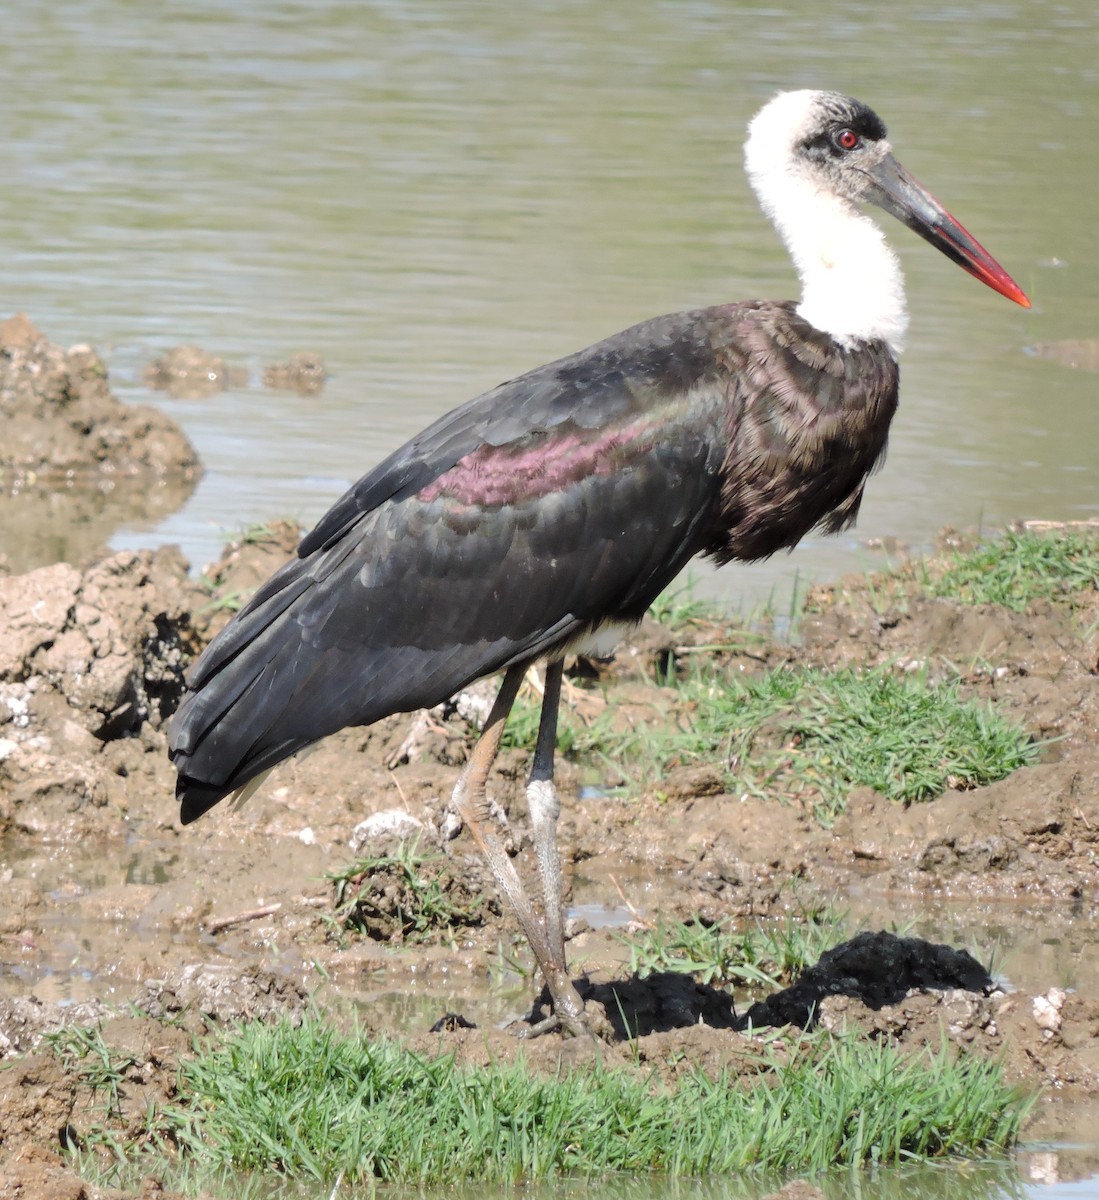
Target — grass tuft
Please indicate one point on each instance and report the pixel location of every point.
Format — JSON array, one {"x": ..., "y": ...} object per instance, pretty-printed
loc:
[
  {"x": 804, "y": 734},
  {"x": 311, "y": 1102},
  {"x": 84, "y": 1052},
  {"x": 1020, "y": 567},
  {"x": 767, "y": 954},
  {"x": 406, "y": 896},
  {"x": 824, "y": 733},
  {"x": 809, "y": 735}
]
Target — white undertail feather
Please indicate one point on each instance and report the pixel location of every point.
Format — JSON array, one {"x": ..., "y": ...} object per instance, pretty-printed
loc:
[
  {"x": 852, "y": 286},
  {"x": 242, "y": 795},
  {"x": 600, "y": 642}
]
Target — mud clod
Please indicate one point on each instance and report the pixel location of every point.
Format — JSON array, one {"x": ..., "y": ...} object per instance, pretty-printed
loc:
[
  {"x": 61, "y": 419},
  {"x": 86, "y": 658},
  {"x": 191, "y": 373},
  {"x": 75, "y": 462},
  {"x": 218, "y": 994},
  {"x": 303, "y": 373}
]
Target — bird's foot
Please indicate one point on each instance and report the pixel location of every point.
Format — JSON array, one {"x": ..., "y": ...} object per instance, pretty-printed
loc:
[
  {"x": 568, "y": 1026},
  {"x": 571, "y": 1017},
  {"x": 591, "y": 1023}
]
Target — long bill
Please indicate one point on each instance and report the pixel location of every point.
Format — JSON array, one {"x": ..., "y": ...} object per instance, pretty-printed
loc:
[{"x": 893, "y": 189}]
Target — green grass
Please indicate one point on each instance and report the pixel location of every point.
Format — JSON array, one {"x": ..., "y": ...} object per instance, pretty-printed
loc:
[
  {"x": 678, "y": 607},
  {"x": 811, "y": 735},
  {"x": 313, "y": 1103},
  {"x": 1020, "y": 567},
  {"x": 573, "y": 736},
  {"x": 83, "y": 1051},
  {"x": 231, "y": 602},
  {"x": 802, "y": 734},
  {"x": 768, "y": 954},
  {"x": 816, "y": 735}
]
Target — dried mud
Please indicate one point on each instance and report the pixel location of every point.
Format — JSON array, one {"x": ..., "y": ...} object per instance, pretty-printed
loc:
[{"x": 116, "y": 917}]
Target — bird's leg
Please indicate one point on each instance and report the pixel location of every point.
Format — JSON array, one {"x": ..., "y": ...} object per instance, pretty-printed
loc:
[
  {"x": 471, "y": 805},
  {"x": 544, "y": 808}
]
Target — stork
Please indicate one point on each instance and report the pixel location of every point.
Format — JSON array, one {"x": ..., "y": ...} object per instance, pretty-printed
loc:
[{"x": 558, "y": 505}]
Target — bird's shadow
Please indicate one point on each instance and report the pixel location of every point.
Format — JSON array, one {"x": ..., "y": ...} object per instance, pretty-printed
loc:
[{"x": 877, "y": 969}]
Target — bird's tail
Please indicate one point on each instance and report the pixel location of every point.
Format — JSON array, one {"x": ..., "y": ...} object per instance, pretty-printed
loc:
[
  {"x": 238, "y": 719},
  {"x": 195, "y": 799}
]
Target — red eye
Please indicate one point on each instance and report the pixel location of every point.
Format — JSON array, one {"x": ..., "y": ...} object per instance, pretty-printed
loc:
[{"x": 847, "y": 139}]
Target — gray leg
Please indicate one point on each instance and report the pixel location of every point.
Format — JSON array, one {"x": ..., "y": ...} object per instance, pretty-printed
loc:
[
  {"x": 469, "y": 801},
  {"x": 544, "y": 808}
]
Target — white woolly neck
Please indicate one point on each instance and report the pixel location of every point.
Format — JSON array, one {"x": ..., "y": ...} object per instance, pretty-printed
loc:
[{"x": 852, "y": 285}]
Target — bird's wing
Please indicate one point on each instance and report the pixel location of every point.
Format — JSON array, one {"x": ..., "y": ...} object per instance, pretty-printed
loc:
[
  {"x": 564, "y": 498},
  {"x": 610, "y": 382}
]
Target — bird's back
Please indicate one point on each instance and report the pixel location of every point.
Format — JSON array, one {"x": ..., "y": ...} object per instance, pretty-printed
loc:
[{"x": 560, "y": 500}]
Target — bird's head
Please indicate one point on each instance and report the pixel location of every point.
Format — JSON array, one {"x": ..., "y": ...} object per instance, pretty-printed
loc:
[
  {"x": 825, "y": 139},
  {"x": 828, "y": 146}
]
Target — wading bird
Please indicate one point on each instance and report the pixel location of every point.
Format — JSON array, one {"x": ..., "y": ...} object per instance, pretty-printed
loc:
[{"x": 561, "y": 503}]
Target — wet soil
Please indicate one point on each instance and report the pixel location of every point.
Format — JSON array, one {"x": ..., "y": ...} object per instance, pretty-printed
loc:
[{"x": 115, "y": 917}]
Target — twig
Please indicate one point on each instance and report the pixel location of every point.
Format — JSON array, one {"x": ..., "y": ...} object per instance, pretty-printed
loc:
[
  {"x": 629, "y": 905},
  {"x": 253, "y": 914},
  {"x": 400, "y": 790}
]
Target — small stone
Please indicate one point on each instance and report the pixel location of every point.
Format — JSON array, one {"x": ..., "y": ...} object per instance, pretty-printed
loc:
[
  {"x": 393, "y": 823},
  {"x": 1047, "y": 1010}
]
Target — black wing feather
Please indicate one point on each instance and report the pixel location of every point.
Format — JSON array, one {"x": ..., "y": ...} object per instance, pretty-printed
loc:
[{"x": 563, "y": 498}]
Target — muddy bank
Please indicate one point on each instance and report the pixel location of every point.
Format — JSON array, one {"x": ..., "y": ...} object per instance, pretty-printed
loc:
[
  {"x": 75, "y": 462},
  {"x": 61, "y": 418},
  {"x": 115, "y": 917}
]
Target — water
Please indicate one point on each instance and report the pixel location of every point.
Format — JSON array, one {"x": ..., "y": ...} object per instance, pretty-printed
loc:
[{"x": 435, "y": 198}]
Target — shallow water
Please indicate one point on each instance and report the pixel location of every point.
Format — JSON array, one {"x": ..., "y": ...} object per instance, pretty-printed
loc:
[
  {"x": 981, "y": 1181},
  {"x": 435, "y": 198}
]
